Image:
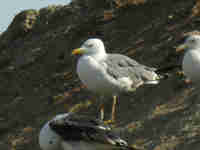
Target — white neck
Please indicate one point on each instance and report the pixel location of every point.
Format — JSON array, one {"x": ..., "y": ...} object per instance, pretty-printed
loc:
[
  {"x": 99, "y": 56},
  {"x": 196, "y": 47}
]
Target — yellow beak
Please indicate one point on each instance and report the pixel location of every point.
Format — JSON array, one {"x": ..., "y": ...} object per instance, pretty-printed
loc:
[
  {"x": 181, "y": 47},
  {"x": 77, "y": 51}
]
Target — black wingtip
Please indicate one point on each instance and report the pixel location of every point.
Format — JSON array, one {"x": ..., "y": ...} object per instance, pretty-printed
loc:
[
  {"x": 55, "y": 124},
  {"x": 52, "y": 124},
  {"x": 167, "y": 69},
  {"x": 164, "y": 72}
]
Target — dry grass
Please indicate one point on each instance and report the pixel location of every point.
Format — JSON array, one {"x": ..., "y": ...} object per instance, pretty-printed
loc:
[
  {"x": 195, "y": 32},
  {"x": 169, "y": 143},
  {"x": 82, "y": 105},
  {"x": 196, "y": 9},
  {"x": 122, "y": 3},
  {"x": 175, "y": 105},
  {"x": 108, "y": 15}
]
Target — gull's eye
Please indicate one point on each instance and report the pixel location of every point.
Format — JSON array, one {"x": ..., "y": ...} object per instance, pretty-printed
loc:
[
  {"x": 192, "y": 40},
  {"x": 90, "y": 45}
]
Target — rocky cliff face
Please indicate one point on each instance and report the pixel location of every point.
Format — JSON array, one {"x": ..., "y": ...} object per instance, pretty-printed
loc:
[{"x": 38, "y": 78}]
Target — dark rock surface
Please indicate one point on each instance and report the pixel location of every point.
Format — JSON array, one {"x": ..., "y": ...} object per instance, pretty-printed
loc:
[{"x": 38, "y": 78}]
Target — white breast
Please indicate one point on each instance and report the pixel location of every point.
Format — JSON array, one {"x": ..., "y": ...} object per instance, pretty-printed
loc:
[
  {"x": 191, "y": 65},
  {"x": 48, "y": 140},
  {"x": 93, "y": 75}
]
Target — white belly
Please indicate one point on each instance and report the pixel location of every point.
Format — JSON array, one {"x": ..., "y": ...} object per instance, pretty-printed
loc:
[
  {"x": 94, "y": 76},
  {"x": 191, "y": 65}
]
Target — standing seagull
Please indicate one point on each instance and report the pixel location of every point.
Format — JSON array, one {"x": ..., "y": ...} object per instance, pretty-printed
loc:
[
  {"x": 73, "y": 132},
  {"x": 110, "y": 74},
  {"x": 191, "y": 59}
]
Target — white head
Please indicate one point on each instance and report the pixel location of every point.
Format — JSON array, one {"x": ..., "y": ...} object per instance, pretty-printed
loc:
[
  {"x": 192, "y": 42},
  {"x": 92, "y": 47},
  {"x": 49, "y": 140}
]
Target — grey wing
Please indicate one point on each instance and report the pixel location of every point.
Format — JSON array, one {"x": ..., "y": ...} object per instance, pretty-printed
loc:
[
  {"x": 83, "y": 128},
  {"x": 119, "y": 66}
]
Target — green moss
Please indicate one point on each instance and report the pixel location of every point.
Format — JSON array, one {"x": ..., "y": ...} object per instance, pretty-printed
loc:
[
  {"x": 22, "y": 23},
  {"x": 79, "y": 106}
]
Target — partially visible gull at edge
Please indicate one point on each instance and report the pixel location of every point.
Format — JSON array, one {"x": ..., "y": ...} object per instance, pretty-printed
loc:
[
  {"x": 110, "y": 74},
  {"x": 70, "y": 131},
  {"x": 191, "y": 59}
]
